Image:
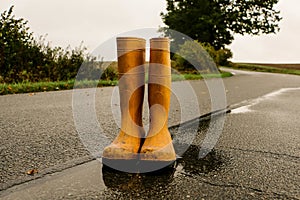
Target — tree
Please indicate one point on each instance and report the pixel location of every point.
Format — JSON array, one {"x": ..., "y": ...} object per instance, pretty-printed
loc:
[{"x": 215, "y": 21}]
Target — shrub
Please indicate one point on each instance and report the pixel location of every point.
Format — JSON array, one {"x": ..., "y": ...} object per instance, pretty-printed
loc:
[
  {"x": 190, "y": 54},
  {"x": 110, "y": 73},
  {"x": 200, "y": 55},
  {"x": 223, "y": 56},
  {"x": 23, "y": 58}
]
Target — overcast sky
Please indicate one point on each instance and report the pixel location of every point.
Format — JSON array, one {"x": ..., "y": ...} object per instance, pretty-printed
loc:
[{"x": 95, "y": 21}]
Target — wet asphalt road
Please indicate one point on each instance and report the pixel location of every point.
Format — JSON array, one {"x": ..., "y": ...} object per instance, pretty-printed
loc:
[{"x": 257, "y": 155}]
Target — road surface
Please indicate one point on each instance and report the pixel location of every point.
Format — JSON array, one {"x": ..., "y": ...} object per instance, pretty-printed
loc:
[{"x": 257, "y": 155}]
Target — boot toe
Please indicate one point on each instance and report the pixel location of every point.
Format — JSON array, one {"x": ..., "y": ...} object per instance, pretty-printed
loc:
[
  {"x": 158, "y": 154},
  {"x": 117, "y": 152}
]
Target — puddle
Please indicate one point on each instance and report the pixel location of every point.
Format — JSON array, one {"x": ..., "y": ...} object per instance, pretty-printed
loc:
[
  {"x": 187, "y": 166},
  {"x": 129, "y": 182},
  {"x": 190, "y": 164}
]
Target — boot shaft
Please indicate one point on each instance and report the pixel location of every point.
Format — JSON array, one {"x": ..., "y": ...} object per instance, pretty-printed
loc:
[
  {"x": 159, "y": 87},
  {"x": 131, "y": 60}
]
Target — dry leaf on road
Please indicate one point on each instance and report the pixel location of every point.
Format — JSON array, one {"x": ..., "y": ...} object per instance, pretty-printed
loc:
[{"x": 32, "y": 171}]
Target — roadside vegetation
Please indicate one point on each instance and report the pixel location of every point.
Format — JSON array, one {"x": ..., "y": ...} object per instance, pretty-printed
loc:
[
  {"x": 272, "y": 68},
  {"x": 33, "y": 87},
  {"x": 24, "y": 58},
  {"x": 29, "y": 64}
]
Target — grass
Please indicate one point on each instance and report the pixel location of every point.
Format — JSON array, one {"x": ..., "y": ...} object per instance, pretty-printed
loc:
[
  {"x": 265, "y": 68},
  {"x": 181, "y": 77},
  {"x": 29, "y": 87}
]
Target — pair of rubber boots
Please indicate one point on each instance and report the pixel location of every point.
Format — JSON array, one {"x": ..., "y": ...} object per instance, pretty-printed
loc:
[{"x": 132, "y": 143}]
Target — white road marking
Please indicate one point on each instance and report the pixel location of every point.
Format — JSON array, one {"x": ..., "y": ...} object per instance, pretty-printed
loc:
[{"x": 246, "y": 108}]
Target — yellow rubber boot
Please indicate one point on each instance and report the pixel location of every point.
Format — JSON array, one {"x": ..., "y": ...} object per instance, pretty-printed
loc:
[
  {"x": 158, "y": 143},
  {"x": 131, "y": 60}
]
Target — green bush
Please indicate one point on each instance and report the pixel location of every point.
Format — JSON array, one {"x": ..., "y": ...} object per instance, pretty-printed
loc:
[
  {"x": 223, "y": 56},
  {"x": 111, "y": 72},
  {"x": 24, "y": 58},
  {"x": 190, "y": 54},
  {"x": 200, "y": 55}
]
